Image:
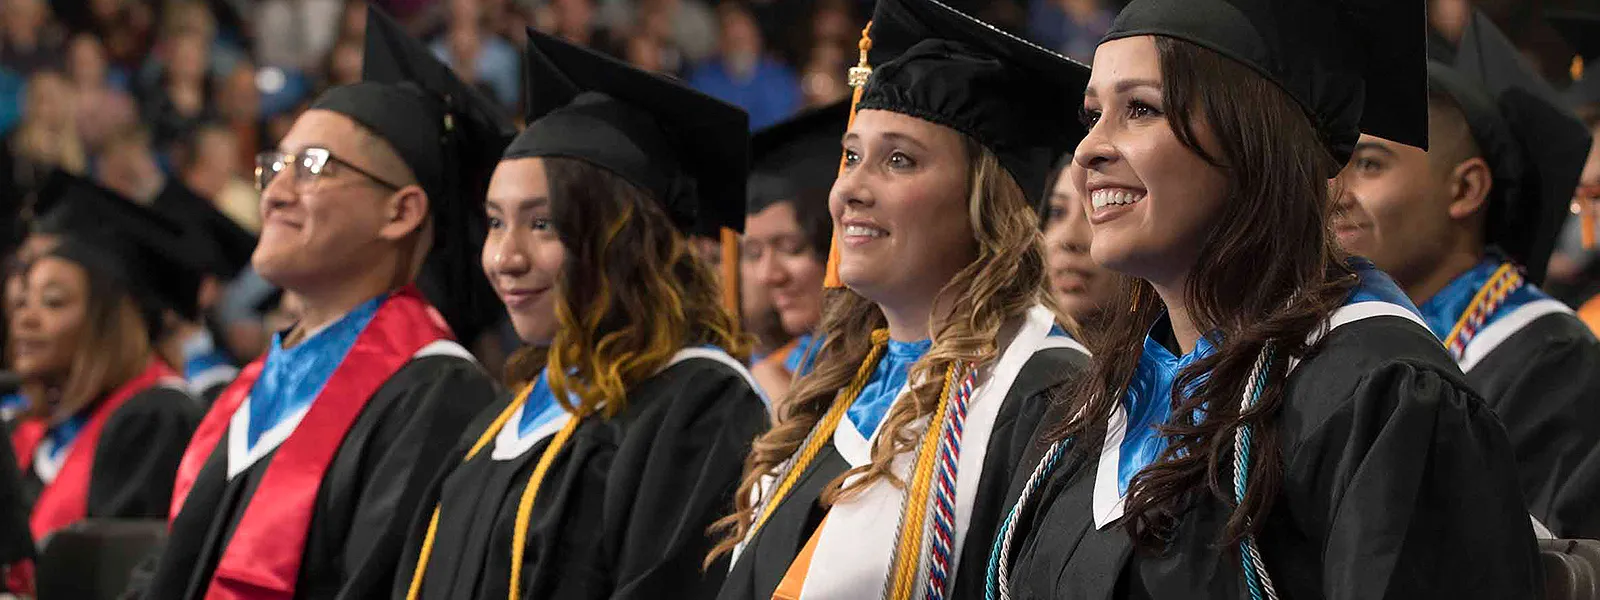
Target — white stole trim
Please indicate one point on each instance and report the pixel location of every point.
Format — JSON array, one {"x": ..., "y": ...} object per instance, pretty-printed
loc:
[
  {"x": 47, "y": 467},
  {"x": 1506, "y": 326},
  {"x": 853, "y": 554},
  {"x": 241, "y": 456},
  {"x": 509, "y": 445},
  {"x": 1109, "y": 503},
  {"x": 203, "y": 380}
]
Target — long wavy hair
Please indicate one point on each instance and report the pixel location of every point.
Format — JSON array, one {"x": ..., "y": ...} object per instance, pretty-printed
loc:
[
  {"x": 1278, "y": 206},
  {"x": 999, "y": 286},
  {"x": 630, "y": 294}
]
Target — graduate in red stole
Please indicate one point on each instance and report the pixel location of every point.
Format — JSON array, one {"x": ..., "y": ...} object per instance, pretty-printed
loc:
[{"x": 301, "y": 479}]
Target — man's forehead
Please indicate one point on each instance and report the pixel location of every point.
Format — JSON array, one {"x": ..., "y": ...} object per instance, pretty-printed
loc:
[{"x": 318, "y": 128}]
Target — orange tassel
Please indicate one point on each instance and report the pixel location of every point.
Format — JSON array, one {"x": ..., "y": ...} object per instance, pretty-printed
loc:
[
  {"x": 730, "y": 271},
  {"x": 858, "y": 80}
]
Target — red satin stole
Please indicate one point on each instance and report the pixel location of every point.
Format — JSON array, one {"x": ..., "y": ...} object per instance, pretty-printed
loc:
[
  {"x": 262, "y": 560},
  {"x": 66, "y": 499}
]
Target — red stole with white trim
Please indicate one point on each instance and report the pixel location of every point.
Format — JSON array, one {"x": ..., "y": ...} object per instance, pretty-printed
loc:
[
  {"x": 262, "y": 560},
  {"x": 66, "y": 499}
]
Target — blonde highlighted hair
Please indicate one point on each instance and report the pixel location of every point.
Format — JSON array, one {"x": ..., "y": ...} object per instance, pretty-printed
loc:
[{"x": 1006, "y": 278}]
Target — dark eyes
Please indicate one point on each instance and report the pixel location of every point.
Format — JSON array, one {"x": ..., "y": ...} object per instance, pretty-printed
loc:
[
  {"x": 896, "y": 160},
  {"x": 537, "y": 224},
  {"x": 1367, "y": 165},
  {"x": 1136, "y": 109}
]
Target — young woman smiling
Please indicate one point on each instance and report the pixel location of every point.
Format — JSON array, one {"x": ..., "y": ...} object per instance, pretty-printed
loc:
[
  {"x": 1267, "y": 419},
  {"x": 624, "y": 440},
  {"x": 940, "y": 354}
]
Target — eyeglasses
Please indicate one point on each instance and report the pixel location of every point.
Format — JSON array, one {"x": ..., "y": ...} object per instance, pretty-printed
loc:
[{"x": 310, "y": 165}]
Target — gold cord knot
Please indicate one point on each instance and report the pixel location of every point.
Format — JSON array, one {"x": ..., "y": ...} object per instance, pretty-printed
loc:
[{"x": 862, "y": 71}]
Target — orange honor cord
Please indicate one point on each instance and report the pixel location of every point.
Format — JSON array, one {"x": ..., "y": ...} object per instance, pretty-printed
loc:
[{"x": 858, "y": 80}]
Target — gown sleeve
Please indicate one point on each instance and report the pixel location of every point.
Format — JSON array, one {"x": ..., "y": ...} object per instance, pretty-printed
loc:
[
  {"x": 1549, "y": 407},
  {"x": 406, "y": 452},
  {"x": 138, "y": 453},
  {"x": 1416, "y": 483},
  {"x": 673, "y": 474}
]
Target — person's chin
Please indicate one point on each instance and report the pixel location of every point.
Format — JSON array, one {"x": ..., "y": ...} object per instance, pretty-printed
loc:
[{"x": 533, "y": 331}]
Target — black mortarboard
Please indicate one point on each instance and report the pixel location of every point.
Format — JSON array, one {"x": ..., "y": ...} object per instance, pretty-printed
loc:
[
  {"x": 1017, "y": 99},
  {"x": 688, "y": 150},
  {"x": 1582, "y": 30},
  {"x": 797, "y": 155},
  {"x": 451, "y": 136},
  {"x": 1355, "y": 66},
  {"x": 151, "y": 251},
  {"x": 1534, "y": 145},
  {"x": 227, "y": 245}
]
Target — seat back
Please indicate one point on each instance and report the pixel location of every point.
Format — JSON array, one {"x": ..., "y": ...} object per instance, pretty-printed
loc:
[
  {"x": 92, "y": 559},
  {"x": 1571, "y": 569}
]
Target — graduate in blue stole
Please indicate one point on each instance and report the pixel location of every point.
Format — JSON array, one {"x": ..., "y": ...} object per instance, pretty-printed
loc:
[
  {"x": 631, "y": 411},
  {"x": 1467, "y": 229}
]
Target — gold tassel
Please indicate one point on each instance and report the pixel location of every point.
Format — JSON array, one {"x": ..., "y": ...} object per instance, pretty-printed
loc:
[
  {"x": 730, "y": 272},
  {"x": 857, "y": 78},
  {"x": 1576, "y": 69}
]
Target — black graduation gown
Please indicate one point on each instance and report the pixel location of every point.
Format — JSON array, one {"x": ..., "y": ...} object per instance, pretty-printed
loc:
[
  {"x": 16, "y": 543},
  {"x": 372, "y": 487},
  {"x": 767, "y": 556},
  {"x": 1399, "y": 483},
  {"x": 1544, "y": 383},
  {"x": 623, "y": 510},
  {"x": 136, "y": 456}
]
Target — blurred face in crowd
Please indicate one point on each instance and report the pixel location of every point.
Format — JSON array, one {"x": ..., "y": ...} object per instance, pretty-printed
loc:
[
  {"x": 238, "y": 99},
  {"x": 49, "y": 101},
  {"x": 187, "y": 57},
  {"x": 47, "y": 323},
  {"x": 128, "y": 167},
  {"x": 778, "y": 257},
  {"x": 1081, "y": 288},
  {"x": 740, "y": 38},
  {"x": 216, "y": 150},
  {"x": 1151, "y": 200},
  {"x": 900, "y": 207},
  {"x": 23, "y": 19},
  {"x": 87, "y": 61},
  {"x": 573, "y": 17},
  {"x": 319, "y": 231},
  {"x": 346, "y": 63},
  {"x": 522, "y": 255}
]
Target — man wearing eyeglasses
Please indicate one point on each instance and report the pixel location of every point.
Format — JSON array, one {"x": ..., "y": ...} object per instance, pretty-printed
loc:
[{"x": 303, "y": 478}]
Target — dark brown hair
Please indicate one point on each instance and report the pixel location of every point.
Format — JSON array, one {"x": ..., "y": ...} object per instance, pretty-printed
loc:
[
  {"x": 630, "y": 293},
  {"x": 1278, "y": 206}
]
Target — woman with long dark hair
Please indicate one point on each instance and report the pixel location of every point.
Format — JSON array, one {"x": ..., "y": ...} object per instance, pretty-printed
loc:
[
  {"x": 887, "y": 467},
  {"x": 1267, "y": 418},
  {"x": 631, "y": 414}
]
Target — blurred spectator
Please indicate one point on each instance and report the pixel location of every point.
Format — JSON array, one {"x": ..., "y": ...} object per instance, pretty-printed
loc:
[
  {"x": 126, "y": 27},
  {"x": 742, "y": 73},
  {"x": 127, "y": 165},
  {"x": 574, "y": 21},
  {"x": 297, "y": 34},
  {"x": 47, "y": 137},
  {"x": 29, "y": 40},
  {"x": 103, "y": 105},
  {"x": 480, "y": 56},
  {"x": 206, "y": 167},
  {"x": 1071, "y": 27},
  {"x": 651, "y": 44},
  {"x": 343, "y": 66},
  {"x": 679, "y": 26},
  {"x": 823, "y": 80},
  {"x": 180, "y": 97},
  {"x": 238, "y": 107}
]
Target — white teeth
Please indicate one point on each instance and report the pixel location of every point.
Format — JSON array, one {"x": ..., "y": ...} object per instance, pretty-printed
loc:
[
  {"x": 864, "y": 231},
  {"x": 1112, "y": 196}
]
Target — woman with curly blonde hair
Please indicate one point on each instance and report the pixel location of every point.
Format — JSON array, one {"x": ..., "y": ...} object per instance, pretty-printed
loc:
[{"x": 943, "y": 349}]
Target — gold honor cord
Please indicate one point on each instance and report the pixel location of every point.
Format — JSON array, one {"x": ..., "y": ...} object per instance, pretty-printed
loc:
[
  {"x": 524, "y": 505},
  {"x": 1497, "y": 282},
  {"x": 914, "y": 517}
]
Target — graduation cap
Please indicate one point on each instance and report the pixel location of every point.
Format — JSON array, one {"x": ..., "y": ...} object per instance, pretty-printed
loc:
[
  {"x": 1534, "y": 145},
  {"x": 1015, "y": 98},
  {"x": 795, "y": 156},
  {"x": 688, "y": 150},
  {"x": 451, "y": 136},
  {"x": 1354, "y": 66},
  {"x": 225, "y": 245},
  {"x": 1582, "y": 30},
  {"x": 151, "y": 252}
]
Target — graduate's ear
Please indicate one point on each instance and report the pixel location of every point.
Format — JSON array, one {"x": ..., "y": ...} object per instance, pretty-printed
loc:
[
  {"x": 1470, "y": 183},
  {"x": 405, "y": 213}
]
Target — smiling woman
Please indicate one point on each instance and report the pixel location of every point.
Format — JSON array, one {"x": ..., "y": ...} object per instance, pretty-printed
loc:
[
  {"x": 945, "y": 330},
  {"x": 1266, "y": 417}
]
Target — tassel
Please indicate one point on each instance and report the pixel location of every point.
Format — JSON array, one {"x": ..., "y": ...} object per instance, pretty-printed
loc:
[
  {"x": 858, "y": 77},
  {"x": 730, "y": 272}
]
